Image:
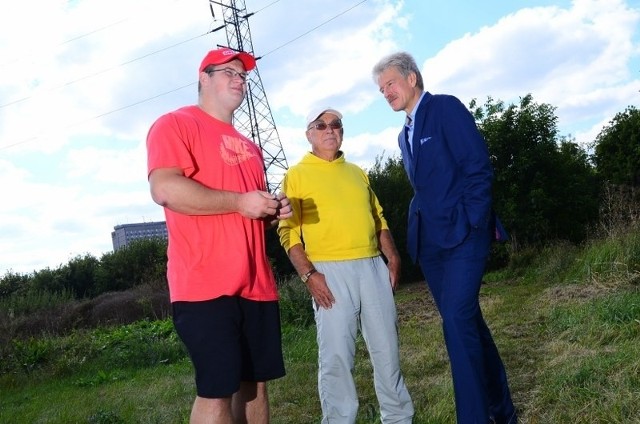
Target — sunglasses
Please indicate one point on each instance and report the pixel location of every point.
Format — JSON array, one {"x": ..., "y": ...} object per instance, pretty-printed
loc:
[{"x": 321, "y": 126}]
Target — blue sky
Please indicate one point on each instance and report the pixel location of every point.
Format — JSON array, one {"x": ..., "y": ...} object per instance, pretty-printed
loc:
[{"x": 81, "y": 82}]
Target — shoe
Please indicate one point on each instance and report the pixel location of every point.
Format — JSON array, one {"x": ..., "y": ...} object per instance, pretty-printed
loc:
[{"x": 511, "y": 419}]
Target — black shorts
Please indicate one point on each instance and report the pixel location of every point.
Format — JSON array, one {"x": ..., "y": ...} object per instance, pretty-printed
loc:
[{"x": 229, "y": 340}]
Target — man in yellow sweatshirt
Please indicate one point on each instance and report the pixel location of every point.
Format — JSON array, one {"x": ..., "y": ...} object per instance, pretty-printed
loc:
[{"x": 335, "y": 240}]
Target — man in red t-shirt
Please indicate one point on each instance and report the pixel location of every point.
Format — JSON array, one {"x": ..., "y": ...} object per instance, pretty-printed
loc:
[{"x": 210, "y": 180}]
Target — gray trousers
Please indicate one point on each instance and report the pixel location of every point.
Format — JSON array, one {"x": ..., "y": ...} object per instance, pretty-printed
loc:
[{"x": 363, "y": 298}]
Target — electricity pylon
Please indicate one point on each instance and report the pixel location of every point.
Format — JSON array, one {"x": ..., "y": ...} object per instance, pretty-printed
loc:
[{"x": 253, "y": 118}]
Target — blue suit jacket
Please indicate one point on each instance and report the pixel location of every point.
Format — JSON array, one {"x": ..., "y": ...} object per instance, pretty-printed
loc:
[{"x": 450, "y": 172}]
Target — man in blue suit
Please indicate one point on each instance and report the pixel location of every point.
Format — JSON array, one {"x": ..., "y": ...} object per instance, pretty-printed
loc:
[{"x": 450, "y": 229}]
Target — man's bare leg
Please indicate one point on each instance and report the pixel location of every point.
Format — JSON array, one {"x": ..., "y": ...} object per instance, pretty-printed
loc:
[
  {"x": 211, "y": 411},
  {"x": 250, "y": 404}
]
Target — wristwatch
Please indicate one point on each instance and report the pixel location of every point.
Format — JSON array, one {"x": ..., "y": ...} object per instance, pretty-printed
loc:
[{"x": 305, "y": 277}]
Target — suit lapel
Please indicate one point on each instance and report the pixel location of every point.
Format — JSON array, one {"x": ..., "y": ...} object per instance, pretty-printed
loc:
[
  {"x": 406, "y": 156},
  {"x": 418, "y": 125}
]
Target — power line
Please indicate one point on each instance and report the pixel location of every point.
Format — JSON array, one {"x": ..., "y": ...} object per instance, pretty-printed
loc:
[
  {"x": 313, "y": 29},
  {"x": 270, "y": 4},
  {"x": 150, "y": 54},
  {"x": 100, "y": 115},
  {"x": 68, "y": 83},
  {"x": 93, "y": 32},
  {"x": 79, "y": 37}
]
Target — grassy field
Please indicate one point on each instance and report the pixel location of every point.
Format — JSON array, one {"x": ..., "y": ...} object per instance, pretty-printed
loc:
[{"x": 566, "y": 321}]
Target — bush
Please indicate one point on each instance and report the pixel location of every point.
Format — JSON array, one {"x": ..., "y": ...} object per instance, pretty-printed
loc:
[
  {"x": 295, "y": 303},
  {"x": 141, "y": 344},
  {"x": 11, "y": 283},
  {"x": 143, "y": 261},
  {"x": 37, "y": 314}
]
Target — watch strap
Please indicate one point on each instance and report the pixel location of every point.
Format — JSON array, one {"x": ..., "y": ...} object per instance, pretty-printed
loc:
[{"x": 305, "y": 277}]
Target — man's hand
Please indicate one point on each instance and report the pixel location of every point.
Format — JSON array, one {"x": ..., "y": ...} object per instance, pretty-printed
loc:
[
  {"x": 258, "y": 204},
  {"x": 319, "y": 290},
  {"x": 394, "y": 274},
  {"x": 388, "y": 249},
  {"x": 284, "y": 211}
]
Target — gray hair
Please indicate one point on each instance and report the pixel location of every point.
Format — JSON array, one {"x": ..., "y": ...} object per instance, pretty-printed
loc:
[{"x": 403, "y": 62}]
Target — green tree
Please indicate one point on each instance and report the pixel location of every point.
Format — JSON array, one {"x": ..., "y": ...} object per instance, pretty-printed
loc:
[
  {"x": 78, "y": 275},
  {"x": 12, "y": 282},
  {"x": 617, "y": 149},
  {"x": 142, "y": 261},
  {"x": 47, "y": 280},
  {"x": 545, "y": 188}
]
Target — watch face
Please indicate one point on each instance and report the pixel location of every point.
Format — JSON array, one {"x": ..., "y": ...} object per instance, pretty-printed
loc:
[{"x": 305, "y": 277}]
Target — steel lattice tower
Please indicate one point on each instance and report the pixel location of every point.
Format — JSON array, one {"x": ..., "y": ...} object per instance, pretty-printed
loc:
[{"x": 253, "y": 118}]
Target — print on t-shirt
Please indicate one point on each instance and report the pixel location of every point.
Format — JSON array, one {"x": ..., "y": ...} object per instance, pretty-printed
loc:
[{"x": 235, "y": 150}]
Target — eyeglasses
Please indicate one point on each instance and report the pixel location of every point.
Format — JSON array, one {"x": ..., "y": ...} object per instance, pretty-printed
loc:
[
  {"x": 321, "y": 126},
  {"x": 231, "y": 73}
]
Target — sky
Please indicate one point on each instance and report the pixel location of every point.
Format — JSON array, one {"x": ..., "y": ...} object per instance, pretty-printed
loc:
[{"x": 81, "y": 82}]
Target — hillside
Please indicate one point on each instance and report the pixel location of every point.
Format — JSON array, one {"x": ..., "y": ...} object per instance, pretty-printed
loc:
[{"x": 566, "y": 321}]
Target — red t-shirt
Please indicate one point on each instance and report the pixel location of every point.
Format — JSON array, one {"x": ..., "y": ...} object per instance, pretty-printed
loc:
[{"x": 212, "y": 255}]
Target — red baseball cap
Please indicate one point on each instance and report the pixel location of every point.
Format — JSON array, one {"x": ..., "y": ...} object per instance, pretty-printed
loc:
[{"x": 220, "y": 56}]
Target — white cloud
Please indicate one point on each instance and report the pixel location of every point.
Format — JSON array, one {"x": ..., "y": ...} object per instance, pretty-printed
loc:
[
  {"x": 578, "y": 56},
  {"x": 121, "y": 166},
  {"x": 364, "y": 148},
  {"x": 331, "y": 69}
]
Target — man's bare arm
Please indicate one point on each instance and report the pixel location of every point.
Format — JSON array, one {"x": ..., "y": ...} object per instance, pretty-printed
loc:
[
  {"x": 171, "y": 189},
  {"x": 316, "y": 284}
]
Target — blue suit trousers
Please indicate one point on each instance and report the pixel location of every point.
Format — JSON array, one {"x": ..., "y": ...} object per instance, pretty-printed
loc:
[{"x": 454, "y": 277}]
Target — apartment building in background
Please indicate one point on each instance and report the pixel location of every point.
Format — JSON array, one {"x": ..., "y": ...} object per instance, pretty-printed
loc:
[{"x": 124, "y": 234}]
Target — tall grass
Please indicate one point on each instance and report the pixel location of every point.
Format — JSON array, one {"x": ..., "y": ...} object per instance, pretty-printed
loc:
[
  {"x": 19, "y": 303},
  {"x": 91, "y": 354}
]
